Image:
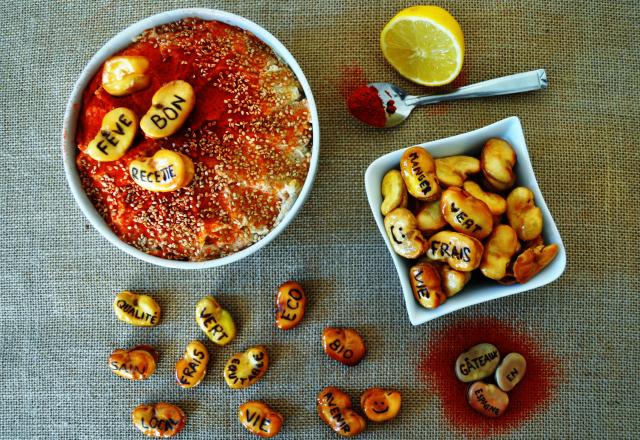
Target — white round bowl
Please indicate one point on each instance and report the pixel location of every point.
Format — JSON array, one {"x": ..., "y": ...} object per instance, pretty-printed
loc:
[{"x": 121, "y": 41}]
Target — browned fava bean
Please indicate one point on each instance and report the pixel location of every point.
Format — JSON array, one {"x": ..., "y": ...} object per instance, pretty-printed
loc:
[
  {"x": 290, "y": 304},
  {"x": 498, "y": 250},
  {"x": 532, "y": 261},
  {"x": 523, "y": 214},
  {"x": 192, "y": 367},
  {"x": 343, "y": 344},
  {"x": 137, "y": 363},
  {"x": 402, "y": 229},
  {"x": 497, "y": 204},
  {"x": 380, "y": 405},
  {"x": 429, "y": 217},
  {"x": 453, "y": 170},
  {"x": 394, "y": 192},
  {"x": 497, "y": 160},
  {"x": 419, "y": 173},
  {"x": 453, "y": 281},
  {"x": 426, "y": 285},
  {"x": 487, "y": 399},
  {"x": 462, "y": 252},
  {"x": 465, "y": 213},
  {"x": 159, "y": 419},
  {"x": 259, "y": 419},
  {"x": 335, "y": 409}
]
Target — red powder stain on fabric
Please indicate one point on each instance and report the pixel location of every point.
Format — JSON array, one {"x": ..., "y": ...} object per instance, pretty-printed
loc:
[
  {"x": 529, "y": 398},
  {"x": 365, "y": 104},
  {"x": 351, "y": 77},
  {"x": 444, "y": 107}
]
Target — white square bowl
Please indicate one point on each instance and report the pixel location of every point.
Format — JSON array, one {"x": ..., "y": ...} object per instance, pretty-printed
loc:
[{"x": 479, "y": 289}]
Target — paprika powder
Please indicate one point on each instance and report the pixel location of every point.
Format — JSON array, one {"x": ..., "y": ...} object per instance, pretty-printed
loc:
[{"x": 365, "y": 104}]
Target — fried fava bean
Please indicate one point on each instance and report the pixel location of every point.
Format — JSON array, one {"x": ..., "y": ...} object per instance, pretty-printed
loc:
[
  {"x": 215, "y": 321},
  {"x": 380, "y": 405},
  {"x": 500, "y": 247},
  {"x": 532, "y": 261},
  {"x": 523, "y": 214},
  {"x": 170, "y": 107},
  {"x": 123, "y": 75},
  {"x": 394, "y": 192},
  {"x": 496, "y": 203},
  {"x": 454, "y": 170},
  {"x": 137, "y": 363},
  {"x": 290, "y": 305},
  {"x": 117, "y": 131},
  {"x": 402, "y": 229},
  {"x": 419, "y": 173},
  {"x": 497, "y": 160},
  {"x": 487, "y": 399},
  {"x": 245, "y": 369},
  {"x": 344, "y": 345},
  {"x": 462, "y": 252},
  {"x": 259, "y": 419},
  {"x": 465, "y": 213},
  {"x": 453, "y": 281},
  {"x": 335, "y": 409},
  {"x": 478, "y": 362},
  {"x": 192, "y": 367},
  {"x": 429, "y": 217},
  {"x": 158, "y": 420},
  {"x": 426, "y": 285},
  {"x": 165, "y": 171},
  {"x": 138, "y": 310}
]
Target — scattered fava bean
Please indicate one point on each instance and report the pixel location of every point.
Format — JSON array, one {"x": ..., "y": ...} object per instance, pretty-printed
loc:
[
  {"x": 380, "y": 405},
  {"x": 453, "y": 281},
  {"x": 487, "y": 399},
  {"x": 499, "y": 248},
  {"x": 496, "y": 203},
  {"x": 170, "y": 107},
  {"x": 462, "y": 252},
  {"x": 465, "y": 213},
  {"x": 137, "y": 363},
  {"x": 523, "y": 215},
  {"x": 335, "y": 409},
  {"x": 497, "y": 160},
  {"x": 291, "y": 302},
  {"x": 138, "y": 310},
  {"x": 402, "y": 229},
  {"x": 158, "y": 420},
  {"x": 426, "y": 285},
  {"x": 165, "y": 171},
  {"x": 116, "y": 134},
  {"x": 454, "y": 170},
  {"x": 123, "y": 75},
  {"x": 259, "y": 419},
  {"x": 344, "y": 345},
  {"x": 429, "y": 217},
  {"x": 245, "y": 369},
  {"x": 419, "y": 173},
  {"x": 532, "y": 261},
  {"x": 394, "y": 192},
  {"x": 478, "y": 362},
  {"x": 192, "y": 367},
  {"x": 511, "y": 371},
  {"x": 215, "y": 321}
]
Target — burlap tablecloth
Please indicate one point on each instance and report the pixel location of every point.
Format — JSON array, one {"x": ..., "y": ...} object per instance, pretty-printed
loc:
[{"x": 59, "y": 275}]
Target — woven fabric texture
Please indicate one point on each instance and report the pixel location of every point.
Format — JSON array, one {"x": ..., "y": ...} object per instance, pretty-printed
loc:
[{"x": 60, "y": 276}]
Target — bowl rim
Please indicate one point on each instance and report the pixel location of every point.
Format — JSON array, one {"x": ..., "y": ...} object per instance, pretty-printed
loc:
[
  {"x": 122, "y": 40},
  {"x": 419, "y": 315}
]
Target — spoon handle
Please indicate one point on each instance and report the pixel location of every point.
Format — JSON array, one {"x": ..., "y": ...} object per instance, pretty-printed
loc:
[{"x": 506, "y": 85}]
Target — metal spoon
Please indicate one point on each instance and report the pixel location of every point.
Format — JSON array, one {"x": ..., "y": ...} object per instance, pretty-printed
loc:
[{"x": 399, "y": 105}]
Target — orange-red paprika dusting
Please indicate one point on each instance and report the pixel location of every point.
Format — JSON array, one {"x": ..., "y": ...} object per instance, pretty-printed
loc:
[{"x": 365, "y": 104}]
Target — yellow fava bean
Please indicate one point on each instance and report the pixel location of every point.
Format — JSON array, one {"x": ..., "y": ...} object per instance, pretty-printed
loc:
[
  {"x": 497, "y": 204},
  {"x": 259, "y": 419},
  {"x": 138, "y": 310},
  {"x": 497, "y": 160},
  {"x": 523, "y": 215},
  {"x": 532, "y": 261},
  {"x": 426, "y": 285},
  {"x": 453, "y": 281},
  {"x": 165, "y": 171},
  {"x": 214, "y": 321},
  {"x": 158, "y": 420},
  {"x": 462, "y": 252},
  {"x": 380, "y": 405},
  {"x": 115, "y": 136},
  {"x": 192, "y": 367},
  {"x": 466, "y": 213},
  {"x": 123, "y": 75},
  {"x": 170, "y": 108},
  {"x": 402, "y": 229},
  {"x": 453, "y": 170},
  {"x": 137, "y": 363},
  {"x": 290, "y": 305},
  {"x": 394, "y": 192},
  {"x": 419, "y": 173},
  {"x": 335, "y": 409},
  {"x": 245, "y": 369},
  {"x": 429, "y": 217},
  {"x": 500, "y": 247}
]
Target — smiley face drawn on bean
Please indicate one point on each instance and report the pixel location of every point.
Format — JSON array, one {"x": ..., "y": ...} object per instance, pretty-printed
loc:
[
  {"x": 381, "y": 405},
  {"x": 401, "y": 227},
  {"x": 393, "y": 234}
]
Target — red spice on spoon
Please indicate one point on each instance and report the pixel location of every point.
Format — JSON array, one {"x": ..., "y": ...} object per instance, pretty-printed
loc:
[{"x": 365, "y": 104}]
